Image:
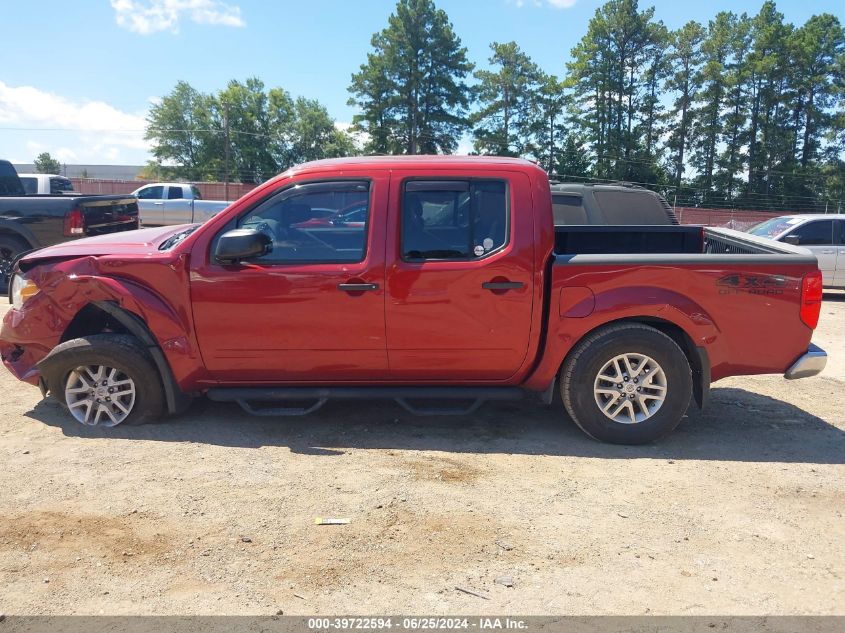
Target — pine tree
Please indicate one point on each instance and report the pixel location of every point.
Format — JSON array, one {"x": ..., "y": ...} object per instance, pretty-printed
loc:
[{"x": 411, "y": 90}]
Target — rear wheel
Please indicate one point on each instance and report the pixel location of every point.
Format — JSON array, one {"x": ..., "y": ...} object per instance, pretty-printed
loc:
[
  {"x": 626, "y": 384},
  {"x": 104, "y": 380},
  {"x": 10, "y": 248}
]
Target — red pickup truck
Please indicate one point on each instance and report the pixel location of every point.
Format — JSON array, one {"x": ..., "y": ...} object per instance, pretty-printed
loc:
[{"x": 455, "y": 289}]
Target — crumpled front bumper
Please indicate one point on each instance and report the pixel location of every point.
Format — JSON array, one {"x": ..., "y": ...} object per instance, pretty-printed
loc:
[
  {"x": 22, "y": 346},
  {"x": 810, "y": 364}
]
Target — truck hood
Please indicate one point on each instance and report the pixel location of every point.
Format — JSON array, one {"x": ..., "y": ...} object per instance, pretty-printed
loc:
[{"x": 140, "y": 242}]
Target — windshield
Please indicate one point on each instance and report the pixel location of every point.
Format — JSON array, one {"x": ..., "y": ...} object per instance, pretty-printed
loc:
[
  {"x": 774, "y": 227},
  {"x": 174, "y": 239}
]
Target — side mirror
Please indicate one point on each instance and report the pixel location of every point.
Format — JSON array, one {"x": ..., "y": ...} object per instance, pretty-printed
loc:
[
  {"x": 794, "y": 240},
  {"x": 238, "y": 244}
]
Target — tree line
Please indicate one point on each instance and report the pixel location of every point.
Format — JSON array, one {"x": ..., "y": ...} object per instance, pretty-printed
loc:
[{"x": 742, "y": 112}]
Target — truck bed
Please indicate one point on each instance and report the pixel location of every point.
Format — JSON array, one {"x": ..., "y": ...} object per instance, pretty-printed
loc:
[{"x": 619, "y": 243}]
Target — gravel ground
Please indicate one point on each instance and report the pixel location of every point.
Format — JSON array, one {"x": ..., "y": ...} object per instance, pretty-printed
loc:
[{"x": 740, "y": 511}]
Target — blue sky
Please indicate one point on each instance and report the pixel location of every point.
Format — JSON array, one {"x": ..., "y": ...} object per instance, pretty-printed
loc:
[{"x": 78, "y": 78}]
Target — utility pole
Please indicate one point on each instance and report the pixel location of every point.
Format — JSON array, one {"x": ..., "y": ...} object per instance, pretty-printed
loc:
[{"x": 226, "y": 151}]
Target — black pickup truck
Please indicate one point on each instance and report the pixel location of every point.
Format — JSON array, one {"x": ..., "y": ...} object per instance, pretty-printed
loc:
[{"x": 28, "y": 222}]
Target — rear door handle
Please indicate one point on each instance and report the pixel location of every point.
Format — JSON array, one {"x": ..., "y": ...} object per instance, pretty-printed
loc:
[
  {"x": 502, "y": 285},
  {"x": 357, "y": 287},
  {"x": 828, "y": 252}
]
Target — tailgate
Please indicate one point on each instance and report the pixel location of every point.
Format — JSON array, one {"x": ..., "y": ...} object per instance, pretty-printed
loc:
[{"x": 108, "y": 214}]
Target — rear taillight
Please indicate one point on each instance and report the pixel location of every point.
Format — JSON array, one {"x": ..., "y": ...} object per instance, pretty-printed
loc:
[
  {"x": 811, "y": 298},
  {"x": 74, "y": 224}
]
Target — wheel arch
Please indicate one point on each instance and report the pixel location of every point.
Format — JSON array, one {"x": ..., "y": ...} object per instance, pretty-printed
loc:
[
  {"x": 16, "y": 230},
  {"x": 97, "y": 317},
  {"x": 697, "y": 356}
]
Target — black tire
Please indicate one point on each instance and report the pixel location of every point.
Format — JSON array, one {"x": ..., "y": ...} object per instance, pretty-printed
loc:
[
  {"x": 582, "y": 367},
  {"x": 118, "y": 351},
  {"x": 10, "y": 248}
]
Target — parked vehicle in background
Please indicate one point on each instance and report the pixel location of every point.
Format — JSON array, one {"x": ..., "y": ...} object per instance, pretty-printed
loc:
[
  {"x": 457, "y": 286},
  {"x": 45, "y": 184},
  {"x": 33, "y": 221},
  {"x": 821, "y": 234},
  {"x": 581, "y": 203},
  {"x": 172, "y": 203}
]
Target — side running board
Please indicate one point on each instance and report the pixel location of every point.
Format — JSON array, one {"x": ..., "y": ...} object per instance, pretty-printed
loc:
[{"x": 260, "y": 400}]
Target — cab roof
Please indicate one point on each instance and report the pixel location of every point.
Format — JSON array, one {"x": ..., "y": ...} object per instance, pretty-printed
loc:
[{"x": 429, "y": 161}]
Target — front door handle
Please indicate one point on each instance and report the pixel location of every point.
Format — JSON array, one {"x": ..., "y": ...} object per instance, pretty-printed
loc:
[
  {"x": 158, "y": 204},
  {"x": 502, "y": 285},
  {"x": 359, "y": 287}
]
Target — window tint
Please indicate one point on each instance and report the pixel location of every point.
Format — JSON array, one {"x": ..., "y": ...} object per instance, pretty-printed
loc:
[
  {"x": 453, "y": 219},
  {"x": 311, "y": 223},
  {"x": 631, "y": 207},
  {"x": 569, "y": 209},
  {"x": 815, "y": 233},
  {"x": 30, "y": 185},
  {"x": 151, "y": 193},
  {"x": 60, "y": 185},
  {"x": 174, "y": 193}
]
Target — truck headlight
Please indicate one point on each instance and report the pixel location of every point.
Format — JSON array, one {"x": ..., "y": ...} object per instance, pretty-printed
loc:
[{"x": 21, "y": 289}]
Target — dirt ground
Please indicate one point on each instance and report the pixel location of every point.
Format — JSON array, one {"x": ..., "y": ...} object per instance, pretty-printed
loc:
[{"x": 740, "y": 511}]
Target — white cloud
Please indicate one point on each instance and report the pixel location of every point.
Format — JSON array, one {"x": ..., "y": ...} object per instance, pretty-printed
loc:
[
  {"x": 556, "y": 4},
  {"x": 151, "y": 16},
  {"x": 73, "y": 131}
]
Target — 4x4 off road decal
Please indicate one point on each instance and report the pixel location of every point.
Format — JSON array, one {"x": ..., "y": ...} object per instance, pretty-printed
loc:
[{"x": 740, "y": 283}]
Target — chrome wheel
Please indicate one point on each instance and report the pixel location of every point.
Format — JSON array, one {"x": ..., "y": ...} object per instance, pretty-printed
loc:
[
  {"x": 630, "y": 388},
  {"x": 97, "y": 395}
]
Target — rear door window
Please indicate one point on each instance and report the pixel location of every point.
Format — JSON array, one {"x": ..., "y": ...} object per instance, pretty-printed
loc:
[
  {"x": 454, "y": 220},
  {"x": 174, "y": 193},
  {"x": 60, "y": 185},
  {"x": 30, "y": 185}
]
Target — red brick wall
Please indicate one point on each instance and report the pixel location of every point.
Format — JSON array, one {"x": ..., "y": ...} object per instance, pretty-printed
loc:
[
  {"x": 728, "y": 218},
  {"x": 209, "y": 190}
]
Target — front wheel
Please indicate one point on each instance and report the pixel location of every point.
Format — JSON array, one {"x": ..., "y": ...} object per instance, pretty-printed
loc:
[
  {"x": 10, "y": 248},
  {"x": 626, "y": 384},
  {"x": 104, "y": 380}
]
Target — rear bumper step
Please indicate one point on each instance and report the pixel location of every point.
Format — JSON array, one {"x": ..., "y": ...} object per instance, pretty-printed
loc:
[
  {"x": 248, "y": 397},
  {"x": 810, "y": 364}
]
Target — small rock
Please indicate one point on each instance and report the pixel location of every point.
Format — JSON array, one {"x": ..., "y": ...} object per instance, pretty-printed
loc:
[
  {"x": 504, "y": 545},
  {"x": 135, "y": 511},
  {"x": 506, "y": 581},
  {"x": 810, "y": 556},
  {"x": 25, "y": 453},
  {"x": 280, "y": 612},
  {"x": 379, "y": 506},
  {"x": 46, "y": 580},
  {"x": 622, "y": 514},
  {"x": 2, "y": 617},
  {"x": 715, "y": 579},
  {"x": 671, "y": 461},
  {"x": 246, "y": 539},
  {"x": 684, "y": 572}
]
